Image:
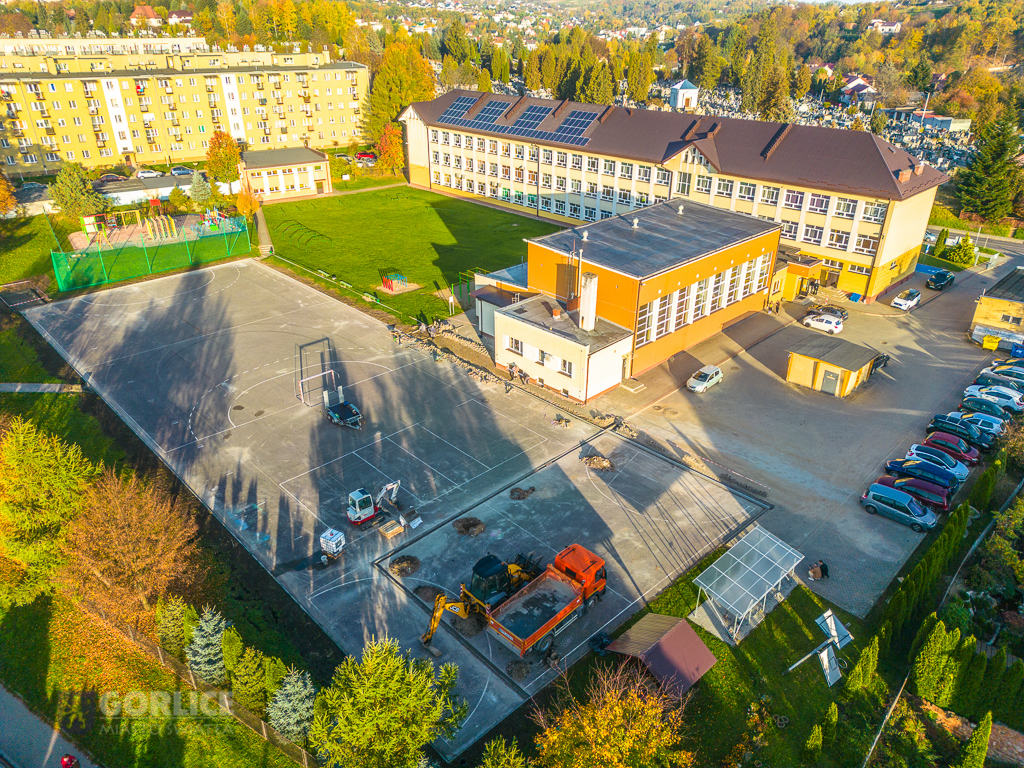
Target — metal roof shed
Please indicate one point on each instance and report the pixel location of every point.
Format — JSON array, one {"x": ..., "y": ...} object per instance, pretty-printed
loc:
[
  {"x": 740, "y": 581},
  {"x": 669, "y": 648}
]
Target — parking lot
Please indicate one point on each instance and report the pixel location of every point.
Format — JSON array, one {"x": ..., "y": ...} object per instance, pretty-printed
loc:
[
  {"x": 816, "y": 454},
  {"x": 207, "y": 367}
]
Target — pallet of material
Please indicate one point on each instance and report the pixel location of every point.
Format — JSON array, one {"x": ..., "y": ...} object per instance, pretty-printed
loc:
[{"x": 391, "y": 529}]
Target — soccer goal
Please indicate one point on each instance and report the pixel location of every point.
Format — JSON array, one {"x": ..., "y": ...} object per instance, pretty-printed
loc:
[{"x": 314, "y": 369}]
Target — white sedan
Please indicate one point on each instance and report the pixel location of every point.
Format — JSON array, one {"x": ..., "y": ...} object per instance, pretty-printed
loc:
[
  {"x": 706, "y": 377},
  {"x": 907, "y": 300},
  {"x": 826, "y": 323},
  {"x": 147, "y": 173},
  {"x": 1004, "y": 396}
]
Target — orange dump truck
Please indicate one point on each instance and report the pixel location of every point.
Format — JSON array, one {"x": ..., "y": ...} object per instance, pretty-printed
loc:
[{"x": 541, "y": 610}]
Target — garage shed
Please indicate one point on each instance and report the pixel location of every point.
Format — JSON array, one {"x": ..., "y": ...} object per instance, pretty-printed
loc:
[
  {"x": 830, "y": 365},
  {"x": 669, "y": 648}
]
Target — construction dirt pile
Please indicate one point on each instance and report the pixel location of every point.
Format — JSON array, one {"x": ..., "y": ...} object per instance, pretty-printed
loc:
[
  {"x": 519, "y": 494},
  {"x": 427, "y": 594},
  {"x": 518, "y": 669},
  {"x": 598, "y": 462},
  {"x": 404, "y": 565},
  {"x": 470, "y": 626},
  {"x": 469, "y": 526}
]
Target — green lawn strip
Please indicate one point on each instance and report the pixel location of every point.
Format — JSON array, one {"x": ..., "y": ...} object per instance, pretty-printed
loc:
[
  {"x": 365, "y": 182},
  {"x": 18, "y": 360},
  {"x": 930, "y": 261},
  {"x": 60, "y": 415},
  {"x": 60, "y": 661},
  {"x": 427, "y": 237},
  {"x": 25, "y": 246},
  {"x": 756, "y": 668},
  {"x": 944, "y": 217}
]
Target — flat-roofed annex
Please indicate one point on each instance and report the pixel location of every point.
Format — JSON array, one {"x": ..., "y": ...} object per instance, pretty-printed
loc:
[{"x": 665, "y": 236}]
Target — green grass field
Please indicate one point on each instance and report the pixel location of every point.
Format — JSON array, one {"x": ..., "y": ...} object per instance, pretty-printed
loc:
[
  {"x": 25, "y": 246},
  {"x": 427, "y": 237}
]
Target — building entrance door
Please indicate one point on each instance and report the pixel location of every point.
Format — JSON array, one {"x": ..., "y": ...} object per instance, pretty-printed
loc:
[
  {"x": 831, "y": 278},
  {"x": 830, "y": 383},
  {"x": 319, "y": 187}
]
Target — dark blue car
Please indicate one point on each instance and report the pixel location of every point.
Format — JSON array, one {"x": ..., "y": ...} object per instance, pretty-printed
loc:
[{"x": 923, "y": 470}]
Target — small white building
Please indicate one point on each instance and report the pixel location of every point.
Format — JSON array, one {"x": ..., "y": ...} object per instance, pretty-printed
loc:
[{"x": 684, "y": 95}]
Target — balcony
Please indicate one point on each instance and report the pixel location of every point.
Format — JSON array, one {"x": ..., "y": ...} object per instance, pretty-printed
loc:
[
  {"x": 259, "y": 86},
  {"x": 7, "y": 97},
  {"x": 172, "y": 107},
  {"x": 97, "y": 129},
  {"x": 175, "y": 121},
  {"x": 263, "y": 102},
  {"x": 17, "y": 133},
  {"x": 50, "y": 131},
  {"x": 40, "y": 96},
  {"x": 279, "y": 100},
  {"x": 94, "y": 110},
  {"x": 144, "y": 107},
  {"x": 209, "y": 89},
  {"x": 284, "y": 131},
  {"x": 151, "y": 139},
  {"x": 266, "y": 131}
]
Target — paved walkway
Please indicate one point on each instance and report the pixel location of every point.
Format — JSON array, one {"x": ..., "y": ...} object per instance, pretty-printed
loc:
[
  {"x": 39, "y": 388},
  {"x": 28, "y": 742}
]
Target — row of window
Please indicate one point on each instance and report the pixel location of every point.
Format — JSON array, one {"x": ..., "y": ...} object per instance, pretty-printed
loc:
[
  {"x": 674, "y": 311},
  {"x": 179, "y": 82},
  {"x": 543, "y": 358},
  {"x": 837, "y": 238},
  {"x": 816, "y": 202}
]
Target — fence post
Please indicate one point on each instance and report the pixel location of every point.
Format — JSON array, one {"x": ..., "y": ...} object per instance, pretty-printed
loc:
[
  {"x": 145, "y": 252},
  {"x": 187, "y": 251},
  {"x": 263, "y": 728},
  {"x": 103, "y": 266}
]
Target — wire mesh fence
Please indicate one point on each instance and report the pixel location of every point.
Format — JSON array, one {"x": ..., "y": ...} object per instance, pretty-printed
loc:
[
  {"x": 185, "y": 675},
  {"x": 142, "y": 247}
]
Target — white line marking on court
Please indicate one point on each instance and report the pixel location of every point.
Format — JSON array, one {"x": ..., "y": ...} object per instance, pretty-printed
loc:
[
  {"x": 421, "y": 461},
  {"x": 455, "y": 447},
  {"x": 387, "y": 480},
  {"x": 354, "y": 451}
]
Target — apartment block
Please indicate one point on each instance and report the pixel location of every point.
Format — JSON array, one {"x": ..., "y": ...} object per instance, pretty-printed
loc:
[
  {"x": 852, "y": 208},
  {"x": 159, "y": 100}
]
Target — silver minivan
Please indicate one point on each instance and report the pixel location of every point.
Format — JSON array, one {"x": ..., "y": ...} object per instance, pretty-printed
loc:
[{"x": 899, "y": 506}]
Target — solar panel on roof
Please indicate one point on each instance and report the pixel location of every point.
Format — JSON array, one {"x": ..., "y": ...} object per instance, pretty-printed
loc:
[
  {"x": 530, "y": 119},
  {"x": 576, "y": 123},
  {"x": 569, "y": 132},
  {"x": 458, "y": 108},
  {"x": 491, "y": 112}
]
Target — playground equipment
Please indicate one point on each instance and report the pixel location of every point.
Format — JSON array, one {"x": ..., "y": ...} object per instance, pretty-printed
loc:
[
  {"x": 161, "y": 227},
  {"x": 101, "y": 225},
  {"x": 389, "y": 281}
]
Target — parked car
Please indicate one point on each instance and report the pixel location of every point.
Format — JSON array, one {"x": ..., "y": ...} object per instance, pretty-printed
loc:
[
  {"x": 927, "y": 494},
  {"x": 982, "y": 421},
  {"x": 929, "y": 453},
  {"x": 907, "y": 300},
  {"x": 1007, "y": 398},
  {"x": 1017, "y": 361},
  {"x": 922, "y": 470},
  {"x": 983, "y": 441},
  {"x": 147, "y": 173},
  {"x": 704, "y": 379},
  {"x": 983, "y": 405},
  {"x": 941, "y": 280},
  {"x": 1009, "y": 371},
  {"x": 954, "y": 446},
  {"x": 995, "y": 380},
  {"x": 33, "y": 185},
  {"x": 827, "y": 323},
  {"x": 898, "y": 506},
  {"x": 180, "y": 170},
  {"x": 829, "y": 309},
  {"x": 111, "y": 177},
  {"x": 365, "y": 156}
]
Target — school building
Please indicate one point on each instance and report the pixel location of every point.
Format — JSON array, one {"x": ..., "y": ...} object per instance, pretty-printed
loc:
[
  {"x": 599, "y": 303},
  {"x": 852, "y": 207},
  {"x": 278, "y": 174}
]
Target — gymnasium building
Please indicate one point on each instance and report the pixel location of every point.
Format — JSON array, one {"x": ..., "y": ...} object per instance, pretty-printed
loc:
[
  {"x": 599, "y": 303},
  {"x": 852, "y": 208}
]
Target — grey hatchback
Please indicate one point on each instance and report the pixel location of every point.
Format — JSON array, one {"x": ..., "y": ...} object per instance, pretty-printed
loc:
[{"x": 899, "y": 506}]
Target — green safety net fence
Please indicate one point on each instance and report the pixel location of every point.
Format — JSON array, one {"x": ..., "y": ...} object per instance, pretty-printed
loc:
[{"x": 113, "y": 261}]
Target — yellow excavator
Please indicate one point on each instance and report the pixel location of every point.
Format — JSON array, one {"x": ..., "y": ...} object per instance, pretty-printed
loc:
[{"x": 492, "y": 583}]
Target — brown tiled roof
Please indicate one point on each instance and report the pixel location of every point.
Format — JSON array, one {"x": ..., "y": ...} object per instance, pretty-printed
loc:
[
  {"x": 669, "y": 647},
  {"x": 842, "y": 161}
]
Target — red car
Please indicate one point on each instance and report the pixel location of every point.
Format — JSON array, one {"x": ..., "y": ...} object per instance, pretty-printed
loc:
[
  {"x": 952, "y": 446},
  {"x": 365, "y": 156},
  {"x": 935, "y": 496}
]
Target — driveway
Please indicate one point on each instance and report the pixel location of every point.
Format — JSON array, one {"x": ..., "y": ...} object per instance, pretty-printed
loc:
[{"x": 816, "y": 454}]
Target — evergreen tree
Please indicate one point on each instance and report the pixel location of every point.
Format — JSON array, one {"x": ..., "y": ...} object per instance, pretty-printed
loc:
[
  {"x": 403, "y": 77},
  {"x": 189, "y": 624},
  {"x": 920, "y": 77},
  {"x": 958, "y": 658},
  {"x": 502, "y": 754},
  {"x": 455, "y": 42},
  {"x": 249, "y": 681},
  {"x": 73, "y": 193},
  {"x": 1013, "y": 683},
  {"x": 200, "y": 191},
  {"x": 828, "y": 729},
  {"x": 989, "y": 183},
  {"x": 802, "y": 82},
  {"x": 291, "y": 709},
  {"x": 896, "y": 611},
  {"x": 276, "y": 672},
  {"x": 232, "y": 645},
  {"x": 705, "y": 68},
  {"x": 738, "y": 57},
  {"x": 548, "y": 76},
  {"x": 930, "y": 661},
  {"x": 989, "y": 692},
  {"x": 774, "y": 104},
  {"x": 877, "y": 122},
  {"x": 812, "y": 749},
  {"x": 760, "y": 68},
  {"x": 976, "y": 750},
  {"x": 969, "y": 690},
  {"x": 922, "y": 634},
  {"x": 205, "y": 653},
  {"x": 864, "y": 671},
  {"x": 532, "y": 74},
  {"x": 940, "y": 244},
  {"x": 962, "y": 252},
  {"x": 170, "y": 626}
]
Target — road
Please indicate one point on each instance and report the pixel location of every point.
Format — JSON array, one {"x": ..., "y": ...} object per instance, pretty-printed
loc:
[{"x": 28, "y": 742}]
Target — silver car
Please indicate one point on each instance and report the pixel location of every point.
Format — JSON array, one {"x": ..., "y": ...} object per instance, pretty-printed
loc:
[{"x": 993, "y": 425}]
